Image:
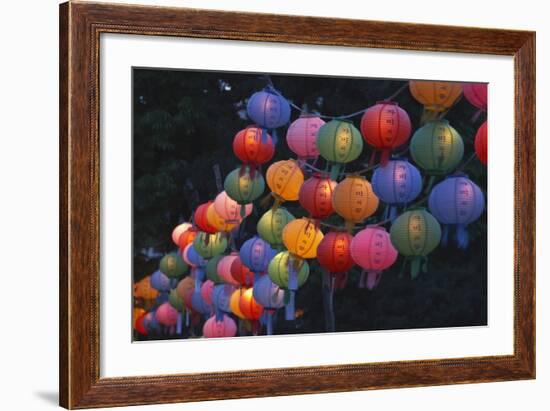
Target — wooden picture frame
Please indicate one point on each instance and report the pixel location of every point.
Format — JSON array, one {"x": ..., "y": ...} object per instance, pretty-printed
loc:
[{"x": 80, "y": 27}]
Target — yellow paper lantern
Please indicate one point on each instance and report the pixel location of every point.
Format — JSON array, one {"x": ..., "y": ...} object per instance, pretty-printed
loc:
[
  {"x": 215, "y": 220},
  {"x": 301, "y": 238},
  {"x": 436, "y": 96},
  {"x": 234, "y": 303},
  {"x": 354, "y": 200},
  {"x": 284, "y": 179}
]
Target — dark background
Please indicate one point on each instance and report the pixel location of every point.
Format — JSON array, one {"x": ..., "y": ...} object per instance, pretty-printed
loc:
[{"x": 184, "y": 123}]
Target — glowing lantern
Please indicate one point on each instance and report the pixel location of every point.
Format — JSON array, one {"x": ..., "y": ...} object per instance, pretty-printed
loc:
[
  {"x": 339, "y": 142},
  {"x": 160, "y": 282},
  {"x": 242, "y": 186},
  {"x": 212, "y": 269},
  {"x": 178, "y": 231},
  {"x": 210, "y": 245},
  {"x": 224, "y": 268},
  {"x": 301, "y": 136},
  {"x": 333, "y": 252},
  {"x": 397, "y": 184},
  {"x": 206, "y": 291},
  {"x": 199, "y": 304},
  {"x": 187, "y": 238},
  {"x": 143, "y": 289},
  {"x": 456, "y": 202},
  {"x": 173, "y": 265},
  {"x": 215, "y": 220},
  {"x": 251, "y": 147},
  {"x": 284, "y": 179},
  {"x": 437, "y": 147},
  {"x": 354, "y": 200},
  {"x": 271, "y": 297},
  {"x": 302, "y": 237},
  {"x": 139, "y": 326},
  {"x": 249, "y": 306},
  {"x": 373, "y": 251},
  {"x": 316, "y": 196},
  {"x": 480, "y": 143},
  {"x": 225, "y": 327},
  {"x": 288, "y": 272},
  {"x": 241, "y": 273},
  {"x": 221, "y": 295},
  {"x": 268, "y": 108},
  {"x": 229, "y": 210},
  {"x": 200, "y": 219},
  {"x": 385, "y": 126},
  {"x": 435, "y": 96},
  {"x": 256, "y": 254},
  {"x": 137, "y": 312},
  {"x": 476, "y": 94},
  {"x": 415, "y": 234},
  {"x": 166, "y": 315},
  {"x": 271, "y": 224},
  {"x": 234, "y": 301}
]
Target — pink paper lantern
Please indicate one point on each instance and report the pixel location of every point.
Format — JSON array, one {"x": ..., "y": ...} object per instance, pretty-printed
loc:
[
  {"x": 476, "y": 94},
  {"x": 301, "y": 136},
  {"x": 224, "y": 268},
  {"x": 226, "y": 327},
  {"x": 229, "y": 210},
  {"x": 206, "y": 291},
  {"x": 373, "y": 251},
  {"x": 166, "y": 314},
  {"x": 178, "y": 231}
]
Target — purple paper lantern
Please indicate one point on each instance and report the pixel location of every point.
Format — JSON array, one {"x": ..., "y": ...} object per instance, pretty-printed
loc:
[
  {"x": 268, "y": 109},
  {"x": 256, "y": 254}
]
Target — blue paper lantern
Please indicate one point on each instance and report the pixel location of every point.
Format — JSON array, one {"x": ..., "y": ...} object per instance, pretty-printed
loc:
[
  {"x": 221, "y": 298},
  {"x": 271, "y": 297},
  {"x": 456, "y": 202},
  {"x": 256, "y": 254},
  {"x": 199, "y": 305},
  {"x": 268, "y": 109},
  {"x": 160, "y": 281}
]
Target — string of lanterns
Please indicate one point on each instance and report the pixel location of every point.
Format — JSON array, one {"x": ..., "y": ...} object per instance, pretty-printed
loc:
[{"x": 239, "y": 291}]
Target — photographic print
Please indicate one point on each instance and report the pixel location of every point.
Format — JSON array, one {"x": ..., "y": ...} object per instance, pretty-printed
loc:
[{"x": 271, "y": 204}]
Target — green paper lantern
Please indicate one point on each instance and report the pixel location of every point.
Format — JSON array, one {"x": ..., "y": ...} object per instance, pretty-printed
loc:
[
  {"x": 210, "y": 245},
  {"x": 271, "y": 224},
  {"x": 437, "y": 147},
  {"x": 244, "y": 185},
  {"x": 175, "y": 300},
  {"x": 278, "y": 269},
  {"x": 173, "y": 266},
  {"x": 212, "y": 269}
]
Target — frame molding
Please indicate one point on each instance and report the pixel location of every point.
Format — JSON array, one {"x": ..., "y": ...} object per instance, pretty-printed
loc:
[{"x": 81, "y": 24}]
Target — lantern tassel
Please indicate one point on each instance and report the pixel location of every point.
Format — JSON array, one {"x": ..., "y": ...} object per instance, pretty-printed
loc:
[
  {"x": 373, "y": 278},
  {"x": 462, "y": 238},
  {"x": 363, "y": 279},
  {"x": 392, "y": 215},
  {"x": 335, "y": 171},
  {"x": 199, "y": 279},
  {"x": 269, "y": 324},
  {"x": 187, "y": 318},
  {"x": 290, "y": 310},
  {"x": 219, "y": 315},
  {"x": 328, "y": 300},
  {"x": 415, "y": 266},
  {"x": 430, "y": 184},
  {"x": 445, "y": 235},
  {"x": 274, "y": 137},
  {"x": 385, "y": 157},
  {"x": 243, "y": 211},
  {"x": 179, "y": 322}
]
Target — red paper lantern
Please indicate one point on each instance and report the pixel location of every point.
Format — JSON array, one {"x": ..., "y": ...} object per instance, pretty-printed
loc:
[
  {"x": 333, "y": 253},
  {"x": 201, "y": 221},
  {"x": 187, "y": 238},
  {"x": 241, "y": 273},
  {"x": 251, "y": 147},
  {"x": 139, "y": 326},
  {"x": 480, "y": 143},
  {"x": 316, "y": 196},
  {"x": 476, "y": 94},
  {"x": 385, "y": 126}
]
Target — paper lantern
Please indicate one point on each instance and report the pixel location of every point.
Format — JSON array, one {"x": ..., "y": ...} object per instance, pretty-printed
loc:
[
  {"x": 284, "y": 179},
  {"x": 333, "y": 252},
  {"x": 476, "y": 94},
  {"x": 175, "y": 300},
  {"x": 251, "y": 147},
  {"x": 316, "y": 196},
  {"x": 224, "y": 268},
  {"x": 241, "y": 273},
  {"x": 385, "y": 126},
  {"x": 139, "y": 325},
  {"x": 212, "y": 269},
  {"x": 354, "y": 200},
  {"x": 213, "y": 328},
  {"x": 221, "y": 295},
  {"x": 173, "y": 266},
  {"x": 210, "y": 245},
  {"x": 166, "y": 315},
  {"x": 271, "y": 297},
  {"x": 199, "y": 304},
  {"x": 249, "y": 306},
  {"x": 339, "y": 142},
  {"x": 234, "y": 301},
  {"x": 150, "y": 323},
  {"x": 415, "y": 234},
  {"x": 302, "y": 237},
  {"x": 242, "y": 186},
  {"x": 192, "y": 257},
  {"x": 437, "y": 147},
  {"x": 229, "y": 210},
  {"x": 268, "y": 109},
  {"x": 271, "y": 224},
  {"x": 160, "y": 282},
  {"x": 398, "y": 183},
  {"x": 200, "y": 219},
  {"x": 301, "y": 136},
  {"x": 373, "y": 251},
  {"x": 456, "y": 202},
  {"x": 480, "y": 143},
  {"x": 256, "y": 254},
  {"x": 206, "y": 291},
  {"x": 435, "y": 96},
  {"x": 187, "y": 238},
  {"x": 215, "y": 220},
  {"x": 143, "y": 289},
  {"x": 179, "y": 230},
  {"x": 186, "y": 285}
]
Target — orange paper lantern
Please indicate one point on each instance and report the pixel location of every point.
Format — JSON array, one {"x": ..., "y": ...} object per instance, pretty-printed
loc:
[
  {"x": 435, "y": 96},
  {"x": 284, "y": 179},
  {"x": 302, "y": 237},
  {"x": 354, "y": 200},
  {"x": 250, "y": 309}
]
